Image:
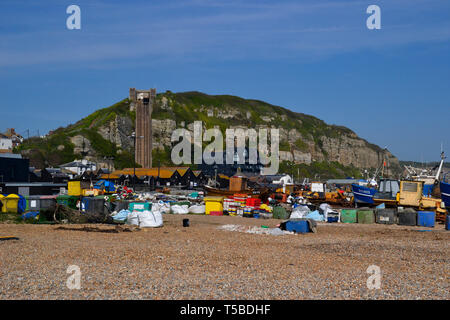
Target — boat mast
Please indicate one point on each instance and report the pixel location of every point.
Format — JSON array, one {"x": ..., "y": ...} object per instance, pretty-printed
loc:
[{"x": 438, "y": 173}]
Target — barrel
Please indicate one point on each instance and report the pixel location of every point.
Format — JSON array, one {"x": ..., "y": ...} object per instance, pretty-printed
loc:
[
  {"x": 348, "y": 216},
  {"x": 407, "y": 217},
  {"x": 366, "y": 216},
  {"x": 386, "y": 216},
  {"x": 425, "y": 219}
]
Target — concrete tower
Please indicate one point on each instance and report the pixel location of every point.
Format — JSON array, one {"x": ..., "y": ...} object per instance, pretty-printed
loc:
[{"x": 142, "y": 101}]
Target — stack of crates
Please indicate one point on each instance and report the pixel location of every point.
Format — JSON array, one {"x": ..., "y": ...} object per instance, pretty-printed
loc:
[
  {"x": 248, "y": 212},
  {"x": 240, "y": 199},
  {"x": 227, "y": 205},
  {"x": 240, "y": 203},
  {"x": 255, "y": 203}
]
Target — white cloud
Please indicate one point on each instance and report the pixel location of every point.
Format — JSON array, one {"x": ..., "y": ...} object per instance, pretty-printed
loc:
[{"x": 221, "y": 30}]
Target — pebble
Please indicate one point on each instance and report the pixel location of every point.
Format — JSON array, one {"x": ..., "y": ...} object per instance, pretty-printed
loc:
[{"x": 208, "y": 263}]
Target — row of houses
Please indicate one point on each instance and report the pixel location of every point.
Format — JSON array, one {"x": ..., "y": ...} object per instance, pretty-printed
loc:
[
  {"x": 15, "y": 169},
  {"x": 162, "y": 176},
  {"x": 9, "y": 140}
]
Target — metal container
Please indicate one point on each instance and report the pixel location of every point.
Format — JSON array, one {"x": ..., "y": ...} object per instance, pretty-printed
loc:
[
  {"x": 49, "y": 202},
  {"x": 33, "y": 203},
  {"x": 386, "y": 216},
  {"x": 407, "y": 218},
  {"x": 93, "y": 205}
]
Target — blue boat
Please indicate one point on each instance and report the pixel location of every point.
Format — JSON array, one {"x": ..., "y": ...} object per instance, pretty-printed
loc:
[
  {"x": 363, "y": 194},
  {"x": 445, "y": 193}
]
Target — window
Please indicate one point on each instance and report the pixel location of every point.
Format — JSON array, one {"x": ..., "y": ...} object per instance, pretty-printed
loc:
[{"x": 410, "y": 187}]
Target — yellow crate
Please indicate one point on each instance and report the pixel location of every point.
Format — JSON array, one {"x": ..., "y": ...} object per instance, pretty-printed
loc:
[
  {"x": 75, "y": 188},
  {"x": 213, "y": 204},
  {"x": 90, "y": 192}
]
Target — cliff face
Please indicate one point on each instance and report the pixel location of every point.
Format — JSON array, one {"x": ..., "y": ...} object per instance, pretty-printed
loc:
[{"x": 303, "y": 139}]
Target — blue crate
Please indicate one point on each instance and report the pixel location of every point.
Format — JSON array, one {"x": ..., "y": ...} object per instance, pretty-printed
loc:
[
  {"x": 425, "y": 219},
  {"x": 298, "y": 226}
]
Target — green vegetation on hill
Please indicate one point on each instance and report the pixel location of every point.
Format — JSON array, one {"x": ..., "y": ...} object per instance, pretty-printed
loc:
[
  {"x": 188, "y": 107},
  {"x": 320, "y": 170},
  {"x": 56, "y": 148}
]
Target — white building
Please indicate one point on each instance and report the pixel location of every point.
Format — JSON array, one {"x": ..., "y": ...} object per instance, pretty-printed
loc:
[
  {"x": 5, "y": 143},
  {"x": 79, "y": 166}
]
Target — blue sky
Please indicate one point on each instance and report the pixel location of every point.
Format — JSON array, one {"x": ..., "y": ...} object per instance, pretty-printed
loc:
[{"x": 391, "y": 86}]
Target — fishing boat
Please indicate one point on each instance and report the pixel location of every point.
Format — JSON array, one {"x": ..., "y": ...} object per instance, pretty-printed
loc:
[
  {"x": 386, "y": 193},
  {"x": 445, "y": 193},
  {"x": 429, "y": 179},
  {"x": 363, "y": 194},
  {"x": 226, "y": 192}
]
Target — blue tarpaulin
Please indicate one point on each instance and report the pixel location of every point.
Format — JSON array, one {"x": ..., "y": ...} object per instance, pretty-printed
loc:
[
  {"x": 22, "y": 204},
  {"x": 121, "y": 216},
  {"x": 30, "y": 215},
  {"x": 315, "y": 215}
]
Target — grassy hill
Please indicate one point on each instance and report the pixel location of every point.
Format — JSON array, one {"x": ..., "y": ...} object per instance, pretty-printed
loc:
[{"x": 301, "y": 134}]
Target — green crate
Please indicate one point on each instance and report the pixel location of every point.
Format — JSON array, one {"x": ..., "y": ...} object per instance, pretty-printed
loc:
[
  {"x": 349, "y": 215},
  {"x": 140, "y": 206},
  {"x": 366, "y": 216}
]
